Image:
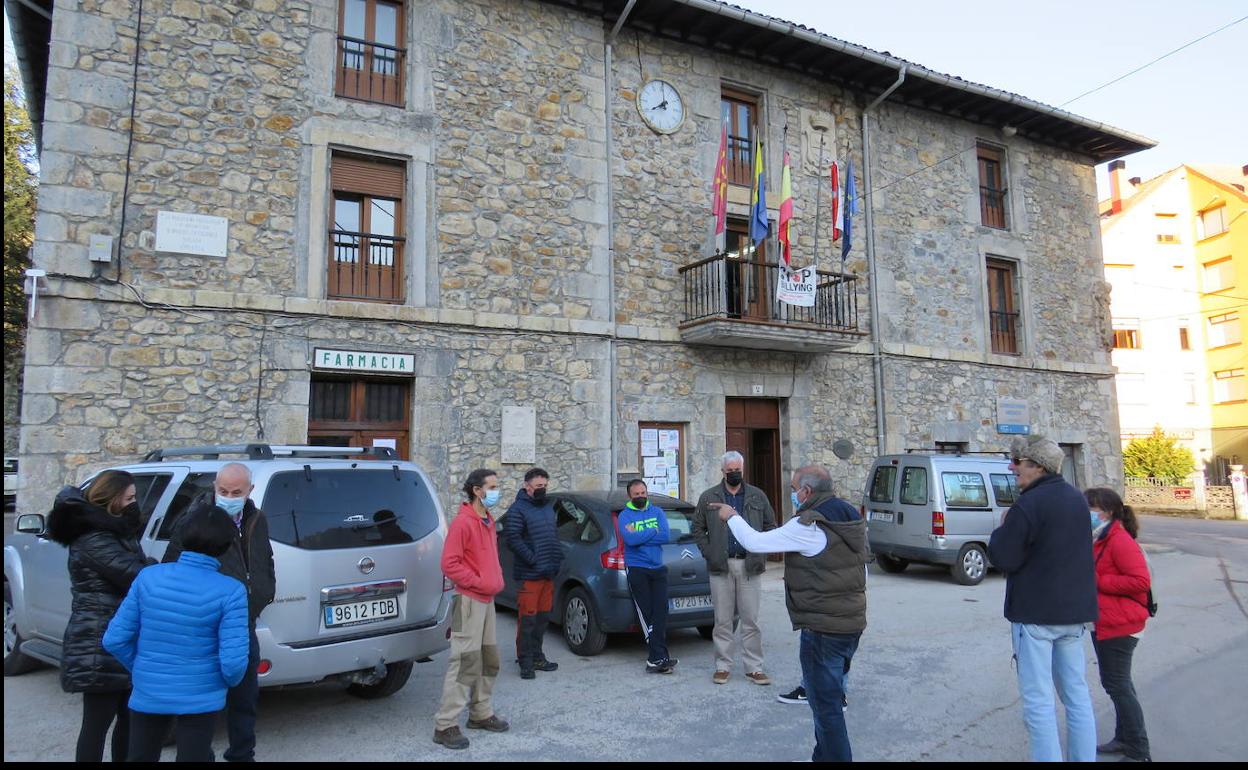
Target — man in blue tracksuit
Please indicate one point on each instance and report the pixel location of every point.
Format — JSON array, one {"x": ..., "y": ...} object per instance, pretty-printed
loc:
[{"x": 643, "y": 527}]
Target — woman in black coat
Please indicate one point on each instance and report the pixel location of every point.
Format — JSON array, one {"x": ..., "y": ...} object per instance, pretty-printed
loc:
[{"x": 100, "y": 527}]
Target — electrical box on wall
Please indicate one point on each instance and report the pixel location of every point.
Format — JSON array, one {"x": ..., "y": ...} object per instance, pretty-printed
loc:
[{"x": 100, "y": 248}]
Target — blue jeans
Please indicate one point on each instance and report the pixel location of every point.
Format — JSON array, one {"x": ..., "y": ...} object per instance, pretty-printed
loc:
[
  {"x": 825, "y": 658},
  {"x": 240, "y": 709},
  {"x": 1050, "y": 656}
]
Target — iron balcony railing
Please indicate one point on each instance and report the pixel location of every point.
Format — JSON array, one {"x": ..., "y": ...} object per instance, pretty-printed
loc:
[
  {"x": 370, "y": 71},
  {"x": 992, "y": 207},
  {"x": 1004, "y": 328},
  {"x": 745, "y": 290},
  {"x": 365, "y": 266}
]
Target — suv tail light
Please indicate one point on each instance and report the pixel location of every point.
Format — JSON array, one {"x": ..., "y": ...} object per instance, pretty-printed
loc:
[{"x": 938, "y": 523}]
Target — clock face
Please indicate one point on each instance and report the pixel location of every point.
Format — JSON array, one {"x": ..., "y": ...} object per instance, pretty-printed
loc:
[{"x": 660, "y": 106}]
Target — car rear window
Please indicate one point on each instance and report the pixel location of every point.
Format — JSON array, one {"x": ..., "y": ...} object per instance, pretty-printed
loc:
[
  {"x": 914, "y": 486},
  {"x": 882, "y": 484},
  {"x": 680, "y": 524},
  {"x": 1004, "y": 488},
  {"x": 964, "y": 490},
  {"x": 348, "y": 508}
]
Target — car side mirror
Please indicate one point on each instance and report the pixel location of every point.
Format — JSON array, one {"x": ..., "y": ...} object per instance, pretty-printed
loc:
[{"x": 31, "y": 523}]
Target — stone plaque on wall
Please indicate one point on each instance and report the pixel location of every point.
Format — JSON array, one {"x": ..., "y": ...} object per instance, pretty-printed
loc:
[
  {"x": 191, "y": 233},
  {"x": 519, "y": 435}
]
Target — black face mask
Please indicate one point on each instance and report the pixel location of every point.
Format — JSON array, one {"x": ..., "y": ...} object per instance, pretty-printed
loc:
[
  {"x": 132, "y": 515},
  {"x": 639, "y": 503},
  {"x": 538, "y": 495},
  {"x": 733, "y": 478}
]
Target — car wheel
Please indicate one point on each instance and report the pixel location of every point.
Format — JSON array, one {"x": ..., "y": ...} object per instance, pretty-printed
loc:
[
  {"x": 14, "y": 661},
  {"x": 580, "y": 624},
  {"x": 971, "y": 565},
  {"x": 396, "y": 676},
  {"x": 891, "y": 564},
  {"x": 706, "y": 632}
]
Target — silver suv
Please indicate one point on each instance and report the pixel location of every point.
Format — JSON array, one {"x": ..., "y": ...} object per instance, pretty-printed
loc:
[{"x": 357, "y": 545}]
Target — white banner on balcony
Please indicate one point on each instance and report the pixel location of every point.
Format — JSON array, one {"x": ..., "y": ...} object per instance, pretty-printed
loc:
[{"x": 797, "y": 287}]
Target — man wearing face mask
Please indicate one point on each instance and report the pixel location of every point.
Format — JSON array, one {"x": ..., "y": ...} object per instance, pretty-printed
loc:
[
  {"x": 735, "y": 584},
  {"x": 529, "y": 526},
  {"x": 644, "y": 529},
  {"x": 250, "y": 560}
]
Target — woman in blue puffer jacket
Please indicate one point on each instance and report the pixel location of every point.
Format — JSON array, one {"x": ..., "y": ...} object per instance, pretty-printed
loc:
[{"x": 182, "y": 633}]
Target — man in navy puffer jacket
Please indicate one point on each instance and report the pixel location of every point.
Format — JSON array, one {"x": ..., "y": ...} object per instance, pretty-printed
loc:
[{"x": 529, "y": 526}]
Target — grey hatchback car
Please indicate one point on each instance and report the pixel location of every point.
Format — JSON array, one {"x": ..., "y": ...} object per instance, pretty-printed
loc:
[{"x": 591, "y": 592}]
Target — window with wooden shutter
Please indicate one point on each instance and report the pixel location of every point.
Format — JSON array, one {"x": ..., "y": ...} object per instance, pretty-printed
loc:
[
  {"x": 370, "y": 51},
  {"x": 366, "y": 229},
  {"x": 991, "y": 187},
  {"x": 1002, "y": 306}
]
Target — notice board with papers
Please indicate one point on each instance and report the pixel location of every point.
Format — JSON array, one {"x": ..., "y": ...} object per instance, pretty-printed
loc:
[{"x": 661, "y": 457}]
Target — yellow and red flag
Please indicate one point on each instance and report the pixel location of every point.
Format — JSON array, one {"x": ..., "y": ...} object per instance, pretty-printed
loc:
[
  {"x": 719, "y": 186},
  {"x": 786, "y": 212}
]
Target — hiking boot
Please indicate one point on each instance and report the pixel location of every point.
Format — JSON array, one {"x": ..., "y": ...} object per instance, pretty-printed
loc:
[
  {"x": 758, "y": 677},
  {"x": 1113, "y": 747},
  {"x": 721, "y": 677},
  {"x": 797, "y": 696},
  {"x": 545, "y": 665},
  {"x": 451, "y": 738},
  {"x": 493, "y": 724},
  {"x": 527, "y": 673}
]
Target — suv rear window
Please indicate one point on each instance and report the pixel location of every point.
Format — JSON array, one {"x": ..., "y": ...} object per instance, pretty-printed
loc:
[
  {"x": 964, "y": 490},
  {"x": 882, "y": 484},
  {"x": 348, "y": 508}
]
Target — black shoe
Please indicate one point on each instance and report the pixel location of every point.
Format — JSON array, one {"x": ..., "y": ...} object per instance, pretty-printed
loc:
[
  {"x": 671, "y": 662},
  {"x": 451, "y": 738},
  {"x": 1136, "y": 759},
  {"x": 527, "y": 673},
  {"x": 545, "y": 665},
  {"x": 797, "y": 696},
  {"x": 1115, "y": 746}
]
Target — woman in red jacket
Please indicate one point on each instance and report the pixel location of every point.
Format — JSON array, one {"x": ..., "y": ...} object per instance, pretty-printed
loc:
[{"x": 1122, "y": 589}]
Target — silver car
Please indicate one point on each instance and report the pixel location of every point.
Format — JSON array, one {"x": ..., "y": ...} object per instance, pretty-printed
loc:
[{"x": 357, "y": 545}]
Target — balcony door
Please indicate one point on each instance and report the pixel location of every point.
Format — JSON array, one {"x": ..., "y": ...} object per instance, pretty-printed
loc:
[{"x": 746, "y": 274}]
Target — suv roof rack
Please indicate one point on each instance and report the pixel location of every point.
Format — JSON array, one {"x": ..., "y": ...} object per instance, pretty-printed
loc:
[{"x": 268, "y": 452}]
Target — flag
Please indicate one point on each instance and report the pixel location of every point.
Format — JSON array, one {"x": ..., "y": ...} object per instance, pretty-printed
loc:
[
  {"x": 786, "y": 212},
  {"x": 758, "y": 201},
  {"x": 836, "y": 203},
  {"x": 719, "y": 187},
  {"x": 851, "y": 207}
]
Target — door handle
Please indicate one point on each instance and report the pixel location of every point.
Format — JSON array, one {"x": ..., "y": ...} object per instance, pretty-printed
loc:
[{"x": 689, "y": 574}]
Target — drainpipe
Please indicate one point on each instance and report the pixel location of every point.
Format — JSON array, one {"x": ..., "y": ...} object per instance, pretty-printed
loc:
[
  {"x": 608, "y": 90},
  {"x": 872, "y": 269}
]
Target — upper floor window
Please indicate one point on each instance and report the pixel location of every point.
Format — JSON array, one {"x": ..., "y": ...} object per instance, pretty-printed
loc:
[
  {"x": 739, "y": 111},
  {"x": 1167, "y": 228},
  {"x": 1212, "y": 222},
  {"x": 370, "y": 51},
  {"x": 366, "y": 234},
  {"x": 1229, "y": 385},
  {"x": 1218, "y": 275},
  {"x": 1003, "y": 306},
  {"x": 1126, "y": 333},
  {"x": 1224, "y": 330},
  {"x": 1185, "y": 337},
  {"x": 991, "y": 187}
]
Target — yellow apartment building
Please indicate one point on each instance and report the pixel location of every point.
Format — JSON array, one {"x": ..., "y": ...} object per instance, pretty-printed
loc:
[{"x": 1175, "y": 249}]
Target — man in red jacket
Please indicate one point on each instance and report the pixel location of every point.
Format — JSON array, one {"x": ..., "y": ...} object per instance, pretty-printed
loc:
[{"x": 470, "y": 560}]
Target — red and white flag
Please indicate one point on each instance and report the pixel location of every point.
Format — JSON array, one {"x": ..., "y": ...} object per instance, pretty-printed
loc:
[
  {"x": 719, "y": 186},
  {"x": 836, "y": 203}
]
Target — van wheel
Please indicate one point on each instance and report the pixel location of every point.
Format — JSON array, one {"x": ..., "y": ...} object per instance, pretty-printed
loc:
[
  {"x": 971, "y": 565},
  {"x": 14, "y": 661},
  {"x": 891, "y": 564},
  {"x": 580, "y": 624},
  {"x": 396, "y": 676}
]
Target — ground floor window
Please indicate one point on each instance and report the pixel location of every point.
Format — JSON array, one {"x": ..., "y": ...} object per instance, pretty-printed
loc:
[{"x": 360, "y": 412}]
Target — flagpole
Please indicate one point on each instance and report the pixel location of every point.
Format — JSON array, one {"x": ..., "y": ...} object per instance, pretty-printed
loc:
[{"x": 818, "y": 203}]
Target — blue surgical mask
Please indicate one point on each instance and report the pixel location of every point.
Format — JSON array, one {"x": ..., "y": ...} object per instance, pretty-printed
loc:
[
  {"x": 1096, "y": 520},
  {"x": 231, "y": 505},
  {"x": 491, "y": 497},
  {"x": 796, "y": 503}
]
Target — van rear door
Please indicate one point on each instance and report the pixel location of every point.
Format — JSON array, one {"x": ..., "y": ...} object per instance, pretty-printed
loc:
[
  {"x": 1004, "y": 493},
  {"x": 915, "y": 505},
  {"x": 883, "y": 523}
]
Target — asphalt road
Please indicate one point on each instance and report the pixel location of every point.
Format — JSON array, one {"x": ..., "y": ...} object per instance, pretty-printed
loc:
[{"x": 932, "y": 681}]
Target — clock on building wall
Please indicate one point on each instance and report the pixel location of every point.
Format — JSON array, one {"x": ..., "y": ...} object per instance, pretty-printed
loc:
[{"x": 660, "y": 106}]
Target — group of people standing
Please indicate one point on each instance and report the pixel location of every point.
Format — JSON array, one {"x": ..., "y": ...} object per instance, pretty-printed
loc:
[{"x": 161, "y": 649}]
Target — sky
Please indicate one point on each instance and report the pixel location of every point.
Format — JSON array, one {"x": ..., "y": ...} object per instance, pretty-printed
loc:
[{"x": 1193, "y": 103}]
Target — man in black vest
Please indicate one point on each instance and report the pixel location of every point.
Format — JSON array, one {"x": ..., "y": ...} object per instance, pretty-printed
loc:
[{"x": 825, "y": 588}]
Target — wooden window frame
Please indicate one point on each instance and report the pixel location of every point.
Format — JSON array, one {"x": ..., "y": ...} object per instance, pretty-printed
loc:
[
  {"x": 993, "y": 192},
  {"x": 1004, "y": 319},
  {"x": 740, "y": 173},
  {"x": 355, "y": 423},
  {"x": 377, "y": 87},
  {"x": 357, "y": 285}
]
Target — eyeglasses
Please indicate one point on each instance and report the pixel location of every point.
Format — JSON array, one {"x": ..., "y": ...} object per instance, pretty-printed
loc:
[{"x": 1016, "y": 461}]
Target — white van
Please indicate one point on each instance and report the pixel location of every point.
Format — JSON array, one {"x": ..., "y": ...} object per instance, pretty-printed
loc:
[{"x": 937, "y": 508}]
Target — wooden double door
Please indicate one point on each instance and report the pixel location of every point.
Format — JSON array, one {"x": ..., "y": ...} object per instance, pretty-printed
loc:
[
  {"x": 753, "y": 429},
  {"x": 360, "y": 412}
]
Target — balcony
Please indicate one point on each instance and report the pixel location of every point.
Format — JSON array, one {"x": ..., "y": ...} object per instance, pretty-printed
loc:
[
  {"x": 365, "y": 267},
  {"x": 370, "y": 71},
  {"x": 731, "y": 303}
]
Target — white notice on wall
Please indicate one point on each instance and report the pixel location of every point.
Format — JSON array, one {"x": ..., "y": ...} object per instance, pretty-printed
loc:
[
  {"x": 519, "y": 435},
  {"x": 669, "y": 439},
  {"x": 191, "y": 233},
  {"x": 797, "y": 287},
  {"x": 649, "y": 442},
  {"x": 385, "y": 442}
]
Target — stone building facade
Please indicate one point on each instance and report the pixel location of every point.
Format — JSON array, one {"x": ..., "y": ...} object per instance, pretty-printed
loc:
[{"x": 547, "y": 235}]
